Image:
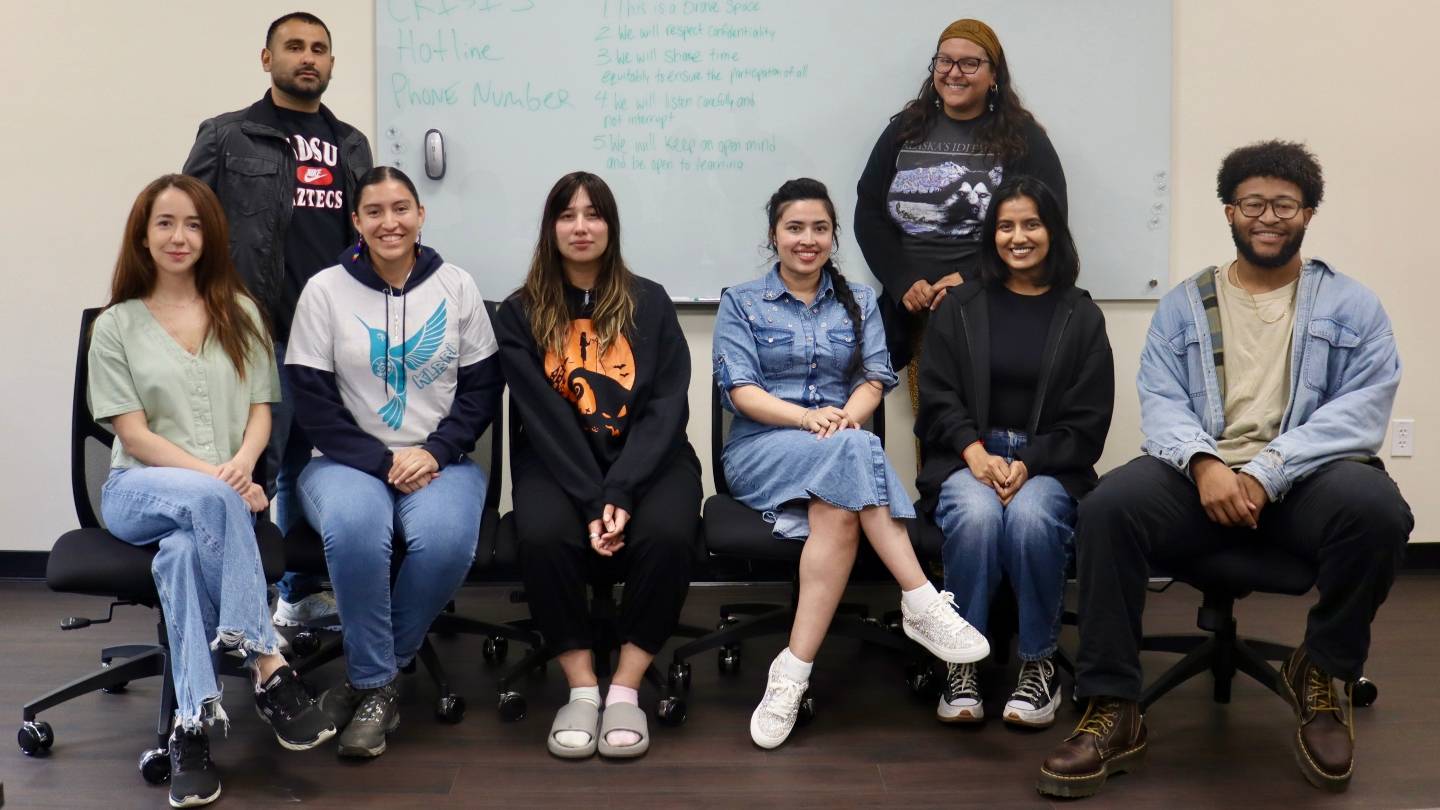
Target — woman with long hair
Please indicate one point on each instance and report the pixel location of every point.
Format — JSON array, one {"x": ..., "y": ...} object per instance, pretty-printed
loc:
[
  {"x": 181, "y": 367},
  {"x": 932, "y": 175},
  {"x": 604, "y": 477},
  {"x": 800, "y": 359},
  {"x": 393, "y": 405},
  {"x": 1017, "y": 386}
]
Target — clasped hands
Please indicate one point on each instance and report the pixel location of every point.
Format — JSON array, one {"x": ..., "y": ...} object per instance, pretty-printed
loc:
[
  {"x": 236, "y": 473},
  {"x": 1005, "y": 477},
  {"x": 607, "y": 533},
  {"x": 1231, "y": 499},
  {"x": 824, "y": 422}
]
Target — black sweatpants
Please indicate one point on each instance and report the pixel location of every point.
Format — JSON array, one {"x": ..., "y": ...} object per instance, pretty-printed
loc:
[
  {"x": 1347, "y": 518},
  {"x": 557, "y": 561}
]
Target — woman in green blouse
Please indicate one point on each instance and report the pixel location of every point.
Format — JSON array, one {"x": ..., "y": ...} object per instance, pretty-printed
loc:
[{"x": 182, "y": 368}]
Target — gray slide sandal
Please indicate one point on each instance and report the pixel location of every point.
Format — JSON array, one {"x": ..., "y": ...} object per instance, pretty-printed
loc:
[
  {"x": 577, "y": 715},
  {"x": 624, "y": 717}
]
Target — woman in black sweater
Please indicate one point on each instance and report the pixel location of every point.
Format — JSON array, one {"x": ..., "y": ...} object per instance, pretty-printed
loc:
[
  {"x": 604, "y": 475},
  {"x": 931, "y": 176},
  {"x": 1017, "y": 385}
]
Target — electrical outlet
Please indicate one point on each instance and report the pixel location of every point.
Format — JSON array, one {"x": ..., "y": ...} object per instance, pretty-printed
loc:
[{"x": 1402, "y": 438}]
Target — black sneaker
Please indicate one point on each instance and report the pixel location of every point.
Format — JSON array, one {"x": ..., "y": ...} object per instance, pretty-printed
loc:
[
  {"x": 960, "y": 699},
  {"x": 193, "y": 778},
  {"x": 284, "y": 704},
  {"x": 1036, "y": 695},
  {"x": 378, "y": 715}
]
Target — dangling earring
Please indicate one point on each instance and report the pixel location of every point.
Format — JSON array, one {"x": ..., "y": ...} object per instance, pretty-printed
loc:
[
  {"x": 359, "y": 248},
  {"x": 418, "y": 247},
  {"x": 994, "y": 91}
]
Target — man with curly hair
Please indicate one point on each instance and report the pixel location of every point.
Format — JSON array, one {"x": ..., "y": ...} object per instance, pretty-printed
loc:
[{"x": 1265, "y": 387}]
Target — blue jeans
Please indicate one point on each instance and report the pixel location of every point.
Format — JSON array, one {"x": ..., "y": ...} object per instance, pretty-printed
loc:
[
  {"x": 207, "y": 571},
  {"x": 1028, "y": 541},
  {"x": 357, "y": 516},
  {"x": 285, "y": 458}
]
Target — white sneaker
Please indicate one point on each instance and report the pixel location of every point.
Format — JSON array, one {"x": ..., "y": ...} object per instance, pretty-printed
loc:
[
  {"x": 939, "y": 629},
  {"x": 960, "y": 699},
  {"x": 774, "y": 718},
  {"x": 313, "y": 608},
  {"x": 1036, "y": 696}
]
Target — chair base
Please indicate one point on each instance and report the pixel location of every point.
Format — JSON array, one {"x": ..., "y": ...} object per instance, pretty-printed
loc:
[{"x": 1221, "y": 652}]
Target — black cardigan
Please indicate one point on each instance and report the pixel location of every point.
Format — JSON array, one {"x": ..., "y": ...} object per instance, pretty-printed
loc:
[
  {"x": 549, "y": 431},
  {"x": 1073, "y": 403},
  {"x": 881, "y": 240}
]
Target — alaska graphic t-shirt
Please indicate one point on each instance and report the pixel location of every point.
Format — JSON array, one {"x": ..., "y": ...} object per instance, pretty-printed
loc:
[
  {"x": 319, "y": 229},
  {"x": 941, "y": 191},
  {"x": 597, "y": 384},
  {"x": 396, "y": 358}
]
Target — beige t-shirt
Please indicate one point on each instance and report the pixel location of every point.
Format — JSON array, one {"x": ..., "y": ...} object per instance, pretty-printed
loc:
[
  {"x": 1257, "y": 332},
  {"x": 198, "y": 402}
]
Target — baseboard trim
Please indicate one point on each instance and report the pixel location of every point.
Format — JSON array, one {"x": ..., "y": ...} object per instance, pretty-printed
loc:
[{"x": 23, "y": 564}]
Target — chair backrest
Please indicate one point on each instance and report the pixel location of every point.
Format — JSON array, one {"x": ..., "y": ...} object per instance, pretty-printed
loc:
[
  {"x": 490, "y": 446},
  {"x": 90, "y": 442}
]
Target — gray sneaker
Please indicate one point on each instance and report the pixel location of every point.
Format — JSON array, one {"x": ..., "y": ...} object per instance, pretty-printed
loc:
[
  {"x": 340, "y": 702},
  {"x": 378, "y": 715}
]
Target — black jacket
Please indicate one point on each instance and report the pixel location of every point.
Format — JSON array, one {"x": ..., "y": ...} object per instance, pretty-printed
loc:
[
  {"x": 245, "y": 158},
  {"x": 1073, "y": 403},
  {"x": 882, "y": 242},
  {"x": 547, "y": 428}
]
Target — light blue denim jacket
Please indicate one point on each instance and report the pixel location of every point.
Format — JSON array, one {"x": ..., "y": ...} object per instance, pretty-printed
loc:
[
  {"x": 767, "y": 337},
  {"x": 1344, "y": 371}
]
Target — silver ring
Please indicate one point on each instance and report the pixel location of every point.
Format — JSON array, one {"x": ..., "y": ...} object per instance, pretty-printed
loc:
[{"x": 594, "y": 535}]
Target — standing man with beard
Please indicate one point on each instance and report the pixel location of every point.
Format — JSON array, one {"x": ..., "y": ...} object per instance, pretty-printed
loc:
[
  {"x": 285, "y": 169},
  {"x": 1267, "y": 435}
]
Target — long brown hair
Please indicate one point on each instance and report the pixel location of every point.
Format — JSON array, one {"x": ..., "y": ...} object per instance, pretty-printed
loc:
[
  {"x": 216, "y": 280},
  {"x": 544, "y": 290},
  {"x": 1001, "y": 130}
]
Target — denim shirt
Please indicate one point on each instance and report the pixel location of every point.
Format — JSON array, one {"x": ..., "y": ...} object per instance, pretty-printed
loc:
[
  {"x": 1344, "y": 371},
  {"x": 765, "y": 336}
]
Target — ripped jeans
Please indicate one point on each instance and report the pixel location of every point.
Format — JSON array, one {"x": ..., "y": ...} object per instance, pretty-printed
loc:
[{"x": 207, "y": 571}]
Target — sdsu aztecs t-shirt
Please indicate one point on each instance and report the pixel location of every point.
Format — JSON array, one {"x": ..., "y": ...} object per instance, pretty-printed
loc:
[{"x": 318, "y": 230}]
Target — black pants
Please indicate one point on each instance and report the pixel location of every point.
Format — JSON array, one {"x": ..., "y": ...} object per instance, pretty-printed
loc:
[
  {"x": 557, "y": 562},
  {"x": 1347, "y": 518}
]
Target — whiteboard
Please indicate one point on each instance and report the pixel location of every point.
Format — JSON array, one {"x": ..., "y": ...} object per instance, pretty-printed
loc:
[{"x": 694, "y": 111}]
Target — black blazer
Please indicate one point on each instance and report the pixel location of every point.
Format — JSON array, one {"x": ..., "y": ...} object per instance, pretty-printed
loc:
[{"x": 1073, "y": 402}]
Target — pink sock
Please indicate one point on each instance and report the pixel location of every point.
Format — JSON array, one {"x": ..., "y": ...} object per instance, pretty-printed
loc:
[{"x": 622, "y": 694}]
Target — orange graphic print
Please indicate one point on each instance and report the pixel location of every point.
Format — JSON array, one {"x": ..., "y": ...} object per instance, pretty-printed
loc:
[{"x": 598, "y": 386}]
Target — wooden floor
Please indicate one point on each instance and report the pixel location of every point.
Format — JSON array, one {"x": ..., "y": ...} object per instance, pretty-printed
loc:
[{"x": 872, "y": 744}]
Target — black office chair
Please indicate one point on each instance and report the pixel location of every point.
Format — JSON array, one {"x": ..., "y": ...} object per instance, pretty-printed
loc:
[
  {"x": 1222, "y": 578},
  {"x": 671, "y": 709},
  {"x": 91, "y": 561},
  {"x": 305, "y": 553},
  {"x": 735, "y": 532}
]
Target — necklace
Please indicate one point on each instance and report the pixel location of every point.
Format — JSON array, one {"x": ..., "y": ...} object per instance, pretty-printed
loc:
[{"x": 1274, "y": 308}]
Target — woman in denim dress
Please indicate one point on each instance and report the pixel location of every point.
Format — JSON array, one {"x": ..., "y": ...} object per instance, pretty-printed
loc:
[{"x": 801, "y": 361}]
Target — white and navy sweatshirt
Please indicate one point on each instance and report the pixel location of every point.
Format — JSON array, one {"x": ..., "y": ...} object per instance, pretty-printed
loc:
[{"x": 370, "y": 378}]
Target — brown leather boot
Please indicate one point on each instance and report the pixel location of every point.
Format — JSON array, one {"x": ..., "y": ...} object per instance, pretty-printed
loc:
[
  {"x": 1109, "y": 740},
  {"x": 1324, "y": 741}
]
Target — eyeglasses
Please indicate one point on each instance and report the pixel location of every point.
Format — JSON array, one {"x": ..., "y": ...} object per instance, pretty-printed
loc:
[
  {"x": 968, "y": 66},
  {"x": 1284, "y": 207}
]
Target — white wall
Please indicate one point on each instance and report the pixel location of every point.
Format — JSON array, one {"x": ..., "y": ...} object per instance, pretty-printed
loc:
[{"x": 104, "y": 96}]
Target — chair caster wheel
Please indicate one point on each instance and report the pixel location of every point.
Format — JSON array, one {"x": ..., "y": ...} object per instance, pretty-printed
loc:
[
  {"x": 671, "y": 711},
  {"x": 1364, "y": 692},
  {"x": 305, "y": 643},
  {"x": 495, "y": 649},
  {"x": 512, "y": 706},
  {"x": 155, "y": 766},
  {"x": 450, "y": 708},
  {"x": 806, "y": 715},
  {"x": 679, "y": 676},
  {"x": 729, "y": 659},
  {"x": 35, "y": 738},
  {"x": 922, "y": 679}
]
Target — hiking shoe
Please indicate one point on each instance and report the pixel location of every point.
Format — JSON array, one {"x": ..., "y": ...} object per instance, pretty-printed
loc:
[
  {"x": 1324, "y": 741},
  {"x": 283, "y": 703},
  {"x": 939, "y": 629},
  {"x": 1109, "y": 740},
  {"x": 377, "y": 715},
  {"x": 960, "y": 699},
  {"x": 194, "y": 781},
  {"x": 1036, "y": 695},
  {"x": 339, "y": 703}
]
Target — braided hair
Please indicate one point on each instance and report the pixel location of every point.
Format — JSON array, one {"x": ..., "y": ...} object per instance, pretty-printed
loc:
[{"x": 805, "y": 188}]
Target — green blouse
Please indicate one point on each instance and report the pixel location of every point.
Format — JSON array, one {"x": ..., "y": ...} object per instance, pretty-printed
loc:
[{"x": 196, "y": 401}]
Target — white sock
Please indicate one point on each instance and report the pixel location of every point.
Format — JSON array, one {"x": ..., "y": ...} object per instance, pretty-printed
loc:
[
  {"x": 920, "y": 598},
  {"x": 579, "y": 739},
  {"x": 622, "y": 694},
  {"x": 794, "y": 668}
]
